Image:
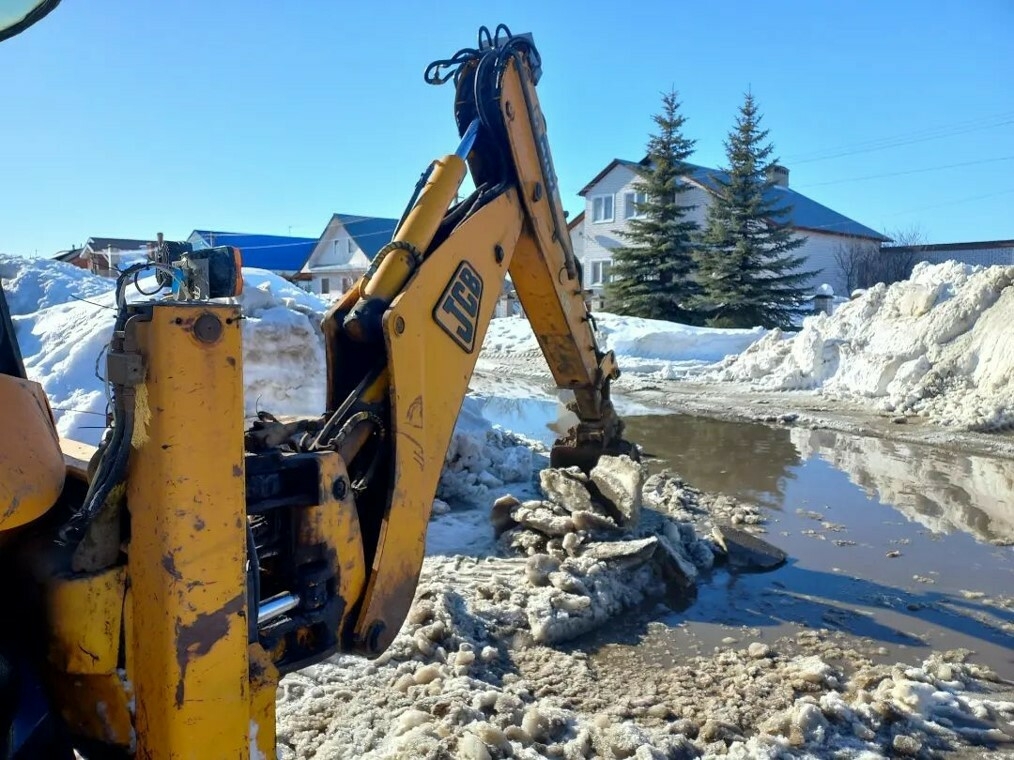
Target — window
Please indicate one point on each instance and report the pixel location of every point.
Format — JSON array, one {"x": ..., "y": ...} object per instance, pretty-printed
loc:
[
  {"x": 350, "y": 246},
  {"x": 600, "y": 272},
  {"x": 325, "y": 285},
  {"x": 346, "y": 284},
  {"x": 602, "y": 208},
  {"x": 631, "y": 201}
]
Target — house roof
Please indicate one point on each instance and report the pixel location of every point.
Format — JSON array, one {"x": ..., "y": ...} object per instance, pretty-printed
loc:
[
  {"x": 274, "y": 252},
  {"x": 69, "y": 255},
  {"x": 371, "y": 233},
  {"x": 806, "y": 213},
  {"x": 575, "y": 221},
  {"x": 117, "y": 244},
  {"x": 609, "y": 167}
]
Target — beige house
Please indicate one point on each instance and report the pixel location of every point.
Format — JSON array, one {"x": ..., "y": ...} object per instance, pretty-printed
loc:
[
  {"x": 610, "y": 203},
  {"x": 344, "y": 251}
]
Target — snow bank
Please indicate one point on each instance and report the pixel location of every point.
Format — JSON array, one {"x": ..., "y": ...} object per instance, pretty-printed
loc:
[
  {"x": 34, "y": 284},
  {"x": 284, "y": 362},
  {"x": 63, "y": 342},
  {"x": 643, "y": 346},
  {"x": 937, "y": 344}
]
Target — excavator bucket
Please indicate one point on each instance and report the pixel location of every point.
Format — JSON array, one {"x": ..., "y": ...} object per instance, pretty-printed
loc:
[
  {"x": 586, "y": 455},
  {"x": 587, "y": 442}
]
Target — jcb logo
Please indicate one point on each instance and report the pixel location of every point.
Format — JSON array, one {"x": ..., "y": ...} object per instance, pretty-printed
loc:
[{"x": 458, "y": 309}]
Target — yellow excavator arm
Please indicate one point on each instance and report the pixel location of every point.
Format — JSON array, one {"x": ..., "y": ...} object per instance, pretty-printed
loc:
[
  {"x": 191, "y": 560},
  {"x": 402, "y": 345}
]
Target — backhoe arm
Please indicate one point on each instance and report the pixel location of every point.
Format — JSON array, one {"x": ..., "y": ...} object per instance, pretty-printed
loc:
[
  {"x": 544, "y": 269},
  {"x": 403, "y": 343}
]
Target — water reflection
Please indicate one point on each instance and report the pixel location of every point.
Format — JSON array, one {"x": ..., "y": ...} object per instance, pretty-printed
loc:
[
  {"x": 943, "y": 490},
  {"x": 748, "y": 461}
]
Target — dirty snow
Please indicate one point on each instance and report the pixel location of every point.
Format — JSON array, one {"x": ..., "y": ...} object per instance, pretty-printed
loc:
[
  {"x": 936, "y": 345},
  {"x": 473, "y": 674},
  {"x": 652, "y": 347}
]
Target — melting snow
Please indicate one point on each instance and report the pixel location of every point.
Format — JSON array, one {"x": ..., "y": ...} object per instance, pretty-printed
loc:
[{"x": 936, "y": 344}]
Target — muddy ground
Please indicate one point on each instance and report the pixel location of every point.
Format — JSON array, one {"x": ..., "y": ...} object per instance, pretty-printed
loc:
[{"x": 474, "y": 673}]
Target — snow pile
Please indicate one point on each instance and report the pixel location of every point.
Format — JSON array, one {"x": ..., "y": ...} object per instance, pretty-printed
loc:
[
  {"x": 481, "y": 458},
  {"x": 936, "y": 344},
  {"x": 284, "y": 363},
  {"x": 34, "y": 284},
  {"x": 63, "y": 342},
  {"x": 642, "y": 346},
  {"x": 590, "y": 554}
]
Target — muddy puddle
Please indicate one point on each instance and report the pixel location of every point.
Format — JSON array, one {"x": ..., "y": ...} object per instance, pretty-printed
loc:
[{"x": 905, "y": 547}]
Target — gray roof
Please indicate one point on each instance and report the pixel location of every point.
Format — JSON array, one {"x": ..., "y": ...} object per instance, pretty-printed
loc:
[
  {"x": 805, "y": 214},
  {"x": 117, "y": 244}
]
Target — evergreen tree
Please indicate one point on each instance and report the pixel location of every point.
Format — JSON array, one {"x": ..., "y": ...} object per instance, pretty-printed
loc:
[
  {"x": 653, "y": 273},
  {"x": 747, "y": 270}
]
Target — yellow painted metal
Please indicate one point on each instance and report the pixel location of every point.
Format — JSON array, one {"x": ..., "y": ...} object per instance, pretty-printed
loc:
[
  {"x": 544, "y": 271},
  {"x": 97, "y": 707},
  {"x": 87, "y": 614},
  {"x": 187, "y": 554},
  {"x": 263, "y": 685},
  {"x": 335, "y": 523},
  {"x": 77, "y": 457},
  {"x": 429, "y": 377},
  {"x": 30, "y": 458},
  {"x": 419, "y": 227}
]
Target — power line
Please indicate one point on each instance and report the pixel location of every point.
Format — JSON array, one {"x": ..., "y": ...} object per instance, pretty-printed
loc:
[
  {"x": 935, "y": 133},
  {"x": 909, "y": 171},
  {"x": 969, "y": 199}
]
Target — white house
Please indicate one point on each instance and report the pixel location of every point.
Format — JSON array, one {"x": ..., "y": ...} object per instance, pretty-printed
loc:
[
  {"x": 344, "y": 251},
  {"x": 610, "y": 201}
]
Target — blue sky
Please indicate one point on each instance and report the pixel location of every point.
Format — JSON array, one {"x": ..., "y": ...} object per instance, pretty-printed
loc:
[{"x": 128, "y": 118}]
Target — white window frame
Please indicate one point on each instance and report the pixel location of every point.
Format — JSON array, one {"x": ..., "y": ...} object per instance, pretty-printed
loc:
[
  {"x": 597, "y": 274},
  {"x": 350, "y": 245},
  {"x": 630, "y": 204},
  {"x": 325, "y": 285},
  {"x": 612, "y": 208}
]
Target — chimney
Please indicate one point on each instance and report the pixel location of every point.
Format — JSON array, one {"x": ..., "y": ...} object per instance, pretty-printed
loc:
[{"x": 778, "y": 174}]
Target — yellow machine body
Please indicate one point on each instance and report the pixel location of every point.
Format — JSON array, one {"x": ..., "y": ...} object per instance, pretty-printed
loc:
[
  {"x": 209, "y": 557},
  {"x": 30, "y": 460}
]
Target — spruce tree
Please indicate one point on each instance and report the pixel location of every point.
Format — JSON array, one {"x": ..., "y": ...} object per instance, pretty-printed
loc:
[
  {"x": 748, "y": 272},
  {"x": 653, "y": 273}
]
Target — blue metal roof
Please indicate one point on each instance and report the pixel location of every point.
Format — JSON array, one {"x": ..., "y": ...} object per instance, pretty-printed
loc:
[
  {"x": 805, "y": 213},
  {"x": 371, "y": 233},
  {"x": 274, "y": 252}
]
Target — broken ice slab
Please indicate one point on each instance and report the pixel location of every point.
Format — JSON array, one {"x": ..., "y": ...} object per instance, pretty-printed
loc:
[
  {"x": 619, "y": 480},
  {"x": 638, "y": 550},
  {"x": 567, "y": 487},
  {"x": 745, "y": 551}
]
